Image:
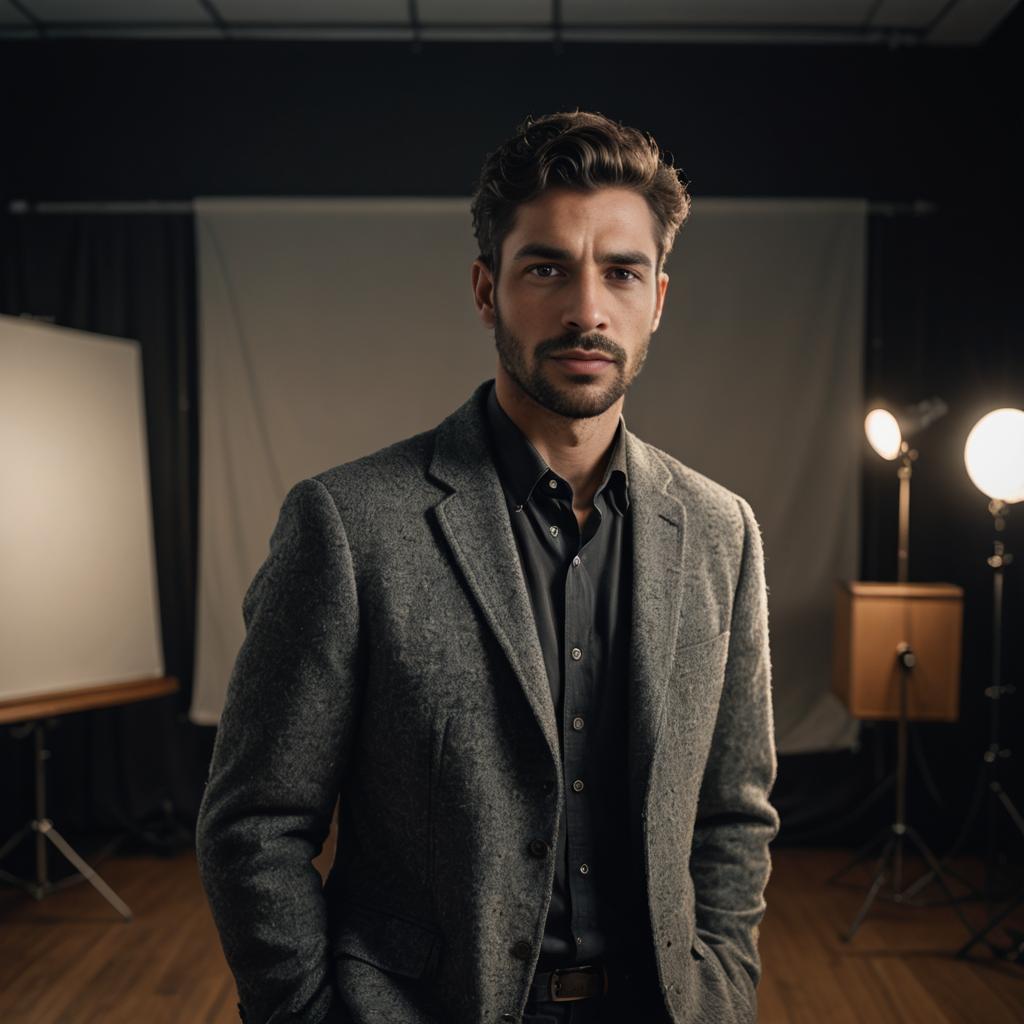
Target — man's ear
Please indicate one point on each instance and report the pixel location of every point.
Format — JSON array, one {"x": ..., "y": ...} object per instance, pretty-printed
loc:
[
  {"x": 662, "y": 287},
  {"x": 483, "y": 291}
]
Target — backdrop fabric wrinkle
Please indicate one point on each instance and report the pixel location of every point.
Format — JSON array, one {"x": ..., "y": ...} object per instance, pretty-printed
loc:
[{"x": 330, "y": 328}]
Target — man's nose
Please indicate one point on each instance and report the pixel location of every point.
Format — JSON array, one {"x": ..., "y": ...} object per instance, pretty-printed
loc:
[{"x": 584, "y": 303}]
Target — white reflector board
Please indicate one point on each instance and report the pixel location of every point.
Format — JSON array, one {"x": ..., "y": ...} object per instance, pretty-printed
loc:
[{"x": 78, "y": 596}]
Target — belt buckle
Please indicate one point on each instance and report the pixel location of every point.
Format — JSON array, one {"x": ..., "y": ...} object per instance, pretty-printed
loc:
[{"x": 554, "y": 982}]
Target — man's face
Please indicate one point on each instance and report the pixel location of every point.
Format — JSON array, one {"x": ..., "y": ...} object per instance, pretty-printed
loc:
[{"x": 577, "y": 276}]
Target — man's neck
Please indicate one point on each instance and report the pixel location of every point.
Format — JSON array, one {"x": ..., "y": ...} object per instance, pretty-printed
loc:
[{"x": 577, "y": 450}]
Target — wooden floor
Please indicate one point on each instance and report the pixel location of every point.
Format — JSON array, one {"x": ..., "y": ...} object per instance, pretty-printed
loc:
[{"x": 71, "y": 960}]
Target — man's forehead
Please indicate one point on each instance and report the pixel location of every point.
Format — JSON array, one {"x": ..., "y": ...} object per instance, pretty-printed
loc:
[{"x": 618, "y": 218}]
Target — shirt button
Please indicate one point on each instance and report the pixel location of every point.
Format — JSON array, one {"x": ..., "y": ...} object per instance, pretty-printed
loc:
[
  {"x": 584, "y": 869},
  {"x": 576, "y": 654},
  {"x": 552, "y": 483},
  {"x": 522, "y": 950},
  {"x": 576, "y": 560},
  {"x": 577, "y": 723},
  {"x": 538, "y": 848},
  {"x": 554, "y": 531},
  {"x": 578, "y": 785}
]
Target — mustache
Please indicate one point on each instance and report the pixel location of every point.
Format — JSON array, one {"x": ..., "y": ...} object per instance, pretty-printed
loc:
[{"x": 593, "y": 343}]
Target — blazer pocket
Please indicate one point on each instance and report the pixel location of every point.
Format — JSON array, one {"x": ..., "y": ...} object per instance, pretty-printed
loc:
[
  {"x": 705, "y": 659},
  {"x": 700, "y": 671},
  {"x": 385, "y": 940}
]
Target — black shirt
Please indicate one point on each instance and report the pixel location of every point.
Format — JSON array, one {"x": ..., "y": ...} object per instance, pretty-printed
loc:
[{"x": 580, "y": 585}]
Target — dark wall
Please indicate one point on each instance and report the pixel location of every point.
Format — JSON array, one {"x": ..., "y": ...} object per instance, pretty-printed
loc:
[
  {"x": 148, "y": 120},
  {"x": 159, "y": 120}
]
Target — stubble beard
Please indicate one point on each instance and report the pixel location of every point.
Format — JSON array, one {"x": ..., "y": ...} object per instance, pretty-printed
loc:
[{"x": 580, "y": 397}]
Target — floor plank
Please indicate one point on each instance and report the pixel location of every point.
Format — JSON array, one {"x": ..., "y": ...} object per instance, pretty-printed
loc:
[{"x": 71, "y": 960}]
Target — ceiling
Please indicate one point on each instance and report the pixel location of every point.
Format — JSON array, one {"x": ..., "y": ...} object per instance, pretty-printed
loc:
[{"x": 846, "y": 22}]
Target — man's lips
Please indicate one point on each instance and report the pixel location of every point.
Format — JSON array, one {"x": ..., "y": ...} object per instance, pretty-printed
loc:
[
  {"x": 578, "y": 361},
  {"x": 582, "y": 355}
]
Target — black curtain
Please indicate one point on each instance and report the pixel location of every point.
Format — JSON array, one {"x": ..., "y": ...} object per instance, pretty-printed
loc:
[
  {"x": 135, "y": 770},
  {"x": 942, "y": 319}
]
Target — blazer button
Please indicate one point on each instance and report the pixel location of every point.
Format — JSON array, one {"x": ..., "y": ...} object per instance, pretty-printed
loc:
[
  {"x": 522, "y": 950},
  {"x": 538, "y": 848}
]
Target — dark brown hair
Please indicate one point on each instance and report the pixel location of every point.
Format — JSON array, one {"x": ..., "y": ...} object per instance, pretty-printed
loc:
[{"x": 578, "y": 150}]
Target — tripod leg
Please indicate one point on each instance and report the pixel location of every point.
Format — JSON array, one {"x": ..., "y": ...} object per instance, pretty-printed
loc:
[
  {"x": 922, "y": 766},
  {"x": 873, "y": 891},
  {"x": 982, "y": 934},
  {"x": 6, "y": 876},
  {"x": 977, "y": 802},
  {"x": 861, "y": 855},
  {"x": 47, "y": 829},
  {"x": 929, "y": 857},
  {"x": 11, "y": 843},
  {"x": 1011, "y": 809},
  {"x": 929, "y": 876}
]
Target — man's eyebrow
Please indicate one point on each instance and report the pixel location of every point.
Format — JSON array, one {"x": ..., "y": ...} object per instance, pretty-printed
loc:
[
  {"x": 545, "y": 252},
  {"x": 632, "y": 257}
]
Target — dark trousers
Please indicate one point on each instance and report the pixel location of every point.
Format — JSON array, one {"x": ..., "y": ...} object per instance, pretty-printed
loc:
[
  {"x": 637, "y": 1004},
  {"x": 633, "y": 996}
]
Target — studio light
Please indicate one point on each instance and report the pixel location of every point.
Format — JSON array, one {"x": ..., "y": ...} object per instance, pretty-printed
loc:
[
  {"x": 994, "y": 455},
  {"x": 889, "y": 429},
  {"x": 884, "y": 434}
]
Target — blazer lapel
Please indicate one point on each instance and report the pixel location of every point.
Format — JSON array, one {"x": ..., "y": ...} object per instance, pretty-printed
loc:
[
  {"x": 659, "y": 525},
  {"x": 474, "y": 521}
]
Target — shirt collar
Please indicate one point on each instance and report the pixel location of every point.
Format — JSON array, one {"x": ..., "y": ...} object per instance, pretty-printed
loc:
[{"x": 522, "y": 468}]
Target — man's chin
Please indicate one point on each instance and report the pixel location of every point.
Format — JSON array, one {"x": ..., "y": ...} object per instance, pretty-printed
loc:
[{"x": 581, "y": 398}]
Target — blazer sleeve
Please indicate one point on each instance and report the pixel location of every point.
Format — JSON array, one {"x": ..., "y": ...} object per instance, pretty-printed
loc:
[
  {"x": 730, "y": 861},
  {"x": 281, "y": 749}
]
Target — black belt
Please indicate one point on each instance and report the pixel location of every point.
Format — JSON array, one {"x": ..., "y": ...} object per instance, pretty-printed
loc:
[{"x": 568, "y": 984}]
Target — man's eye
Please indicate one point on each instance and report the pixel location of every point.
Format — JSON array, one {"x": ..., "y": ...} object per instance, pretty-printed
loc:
[
  {"x": 622, "y": 270},
  {"x": 542, "y": 266}
]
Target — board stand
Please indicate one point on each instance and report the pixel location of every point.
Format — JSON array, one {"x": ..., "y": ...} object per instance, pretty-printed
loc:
[{"x": 45, "y": 832}]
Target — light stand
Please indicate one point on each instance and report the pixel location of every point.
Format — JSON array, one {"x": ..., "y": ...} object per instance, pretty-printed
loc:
[
  {"x": 45, "y": 832},
  {"x": 912, "y": 630},
  {"x": 994, "y": 457},
  {"x": 888, "y": 428},
  {"x": 996, "y": 758}
]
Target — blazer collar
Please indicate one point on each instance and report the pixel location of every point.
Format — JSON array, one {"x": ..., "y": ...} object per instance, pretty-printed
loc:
[
  {"x": 474, "y": 520},
  {"x": 659, "y": 533}
]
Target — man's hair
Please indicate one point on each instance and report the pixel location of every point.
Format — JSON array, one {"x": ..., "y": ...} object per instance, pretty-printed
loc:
[{"x": 582, "y": 151}]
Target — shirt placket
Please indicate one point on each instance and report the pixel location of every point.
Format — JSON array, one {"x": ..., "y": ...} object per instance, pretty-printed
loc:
[{"x": 577, "y": 706}]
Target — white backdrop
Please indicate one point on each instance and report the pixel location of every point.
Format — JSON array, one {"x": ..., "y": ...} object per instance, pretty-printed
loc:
[
  {"x": 78, "y": 596},
  {"x": 329, "y": 328}
]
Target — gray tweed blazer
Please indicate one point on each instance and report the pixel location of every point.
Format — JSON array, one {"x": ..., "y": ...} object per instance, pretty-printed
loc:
[{"x": 391, "y": 660}]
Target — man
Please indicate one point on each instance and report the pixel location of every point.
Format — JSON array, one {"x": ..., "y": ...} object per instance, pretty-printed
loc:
[{"x": 527, "y": 651}]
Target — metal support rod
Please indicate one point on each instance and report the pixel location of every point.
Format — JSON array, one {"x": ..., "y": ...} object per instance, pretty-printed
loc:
[
  {"x": 905, "y": 472},
  {"x": 900, "y": 825},
  {"x": 42, "y": 867}
]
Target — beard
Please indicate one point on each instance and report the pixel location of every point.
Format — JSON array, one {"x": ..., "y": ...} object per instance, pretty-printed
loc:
[{"x": 582, "y": 395}]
